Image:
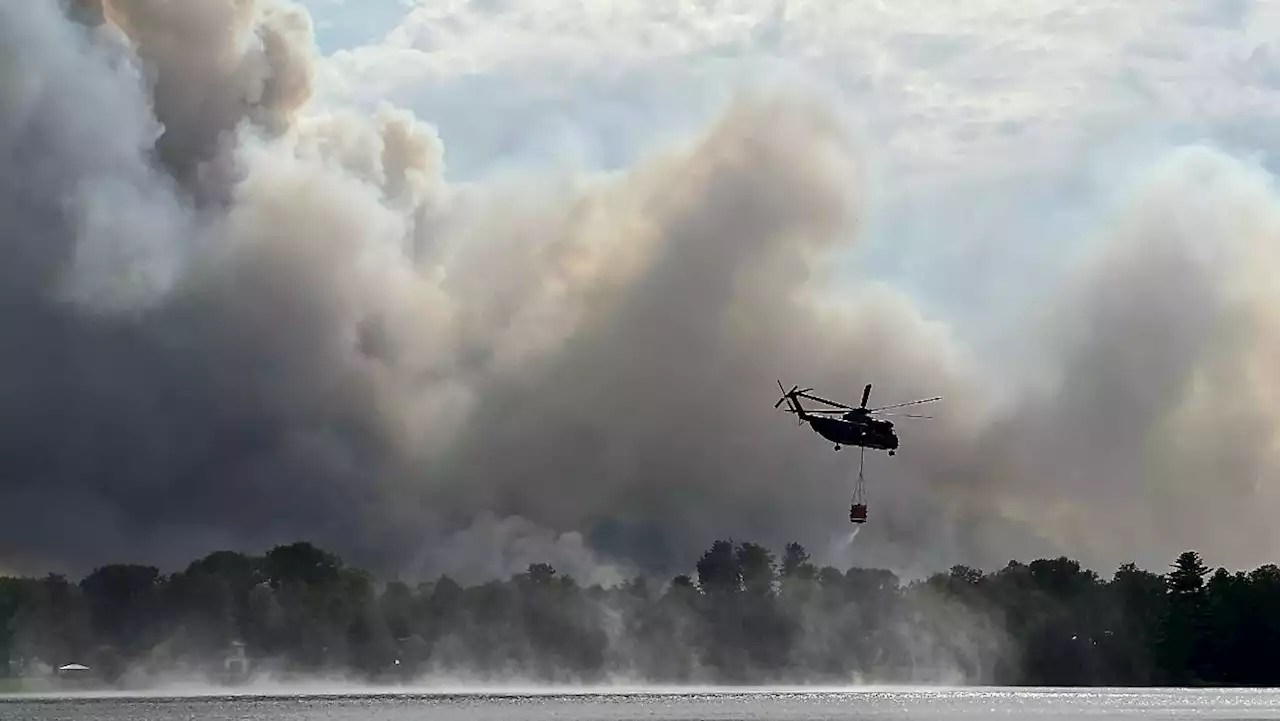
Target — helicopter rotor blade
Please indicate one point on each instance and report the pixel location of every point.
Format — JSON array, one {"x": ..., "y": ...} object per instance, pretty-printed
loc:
[
  {"x": 836, "y": 411},
  {"x": 903, "y": 415},
  {"x": 824, "y": 400},
  {"x": 910, "y": 403},
  {"x": 866, "y": 393}
]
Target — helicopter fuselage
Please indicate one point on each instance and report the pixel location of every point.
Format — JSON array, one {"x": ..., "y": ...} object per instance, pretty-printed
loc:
[{"x": 869, "y": 433}]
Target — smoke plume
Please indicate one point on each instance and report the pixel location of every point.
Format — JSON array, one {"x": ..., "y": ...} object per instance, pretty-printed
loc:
[{"x": 232, "y": 318}]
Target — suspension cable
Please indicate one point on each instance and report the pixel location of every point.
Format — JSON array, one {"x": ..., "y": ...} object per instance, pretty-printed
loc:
[{"x": 859, "y": 490}]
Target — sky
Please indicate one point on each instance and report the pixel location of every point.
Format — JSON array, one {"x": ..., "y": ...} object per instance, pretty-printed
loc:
[{"x": 460, "y": 286}]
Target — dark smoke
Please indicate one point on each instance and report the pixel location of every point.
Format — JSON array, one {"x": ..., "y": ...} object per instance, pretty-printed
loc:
[{"x": 231, "y": 319}]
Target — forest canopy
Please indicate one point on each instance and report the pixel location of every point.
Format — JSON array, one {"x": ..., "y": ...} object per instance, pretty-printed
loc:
[{"x": 744, "y": 615}]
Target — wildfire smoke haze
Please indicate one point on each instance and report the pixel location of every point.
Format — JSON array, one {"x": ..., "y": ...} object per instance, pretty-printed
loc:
[{"x": 235, "y": 313}]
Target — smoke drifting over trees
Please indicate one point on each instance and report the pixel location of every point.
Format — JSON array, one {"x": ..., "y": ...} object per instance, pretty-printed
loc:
[
  {"x": 742, "y": 616},
  {"x": 232, "y": 317}
]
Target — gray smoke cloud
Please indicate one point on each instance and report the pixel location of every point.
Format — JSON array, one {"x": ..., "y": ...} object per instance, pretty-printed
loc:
[{"x": 232, "y": 319}]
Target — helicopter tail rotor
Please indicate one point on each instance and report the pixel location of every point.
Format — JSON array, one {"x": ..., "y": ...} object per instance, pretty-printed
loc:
[
  {"x": 786, "y": 394},
  {"x": 793, "y": 404}
]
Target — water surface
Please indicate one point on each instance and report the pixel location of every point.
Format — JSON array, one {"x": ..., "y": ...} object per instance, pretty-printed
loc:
[{"x": 1100, "y": 704}]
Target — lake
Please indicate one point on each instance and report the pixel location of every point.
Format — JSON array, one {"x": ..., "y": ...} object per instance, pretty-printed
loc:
[{"x": 765, "y": 705}]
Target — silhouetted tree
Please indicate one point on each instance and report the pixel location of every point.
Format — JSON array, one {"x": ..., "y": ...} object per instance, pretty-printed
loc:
[
  {"x": 795, "y": 562},
  {"x": 719, "y": 570},
  {"x": 1185, "y": 634},
  {"x": 124, "y": 604},
  {"x": 1134, "y": 613}
]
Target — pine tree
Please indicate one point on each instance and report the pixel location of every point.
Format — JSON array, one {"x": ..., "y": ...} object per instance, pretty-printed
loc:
[{"x": 1184, "y": 633}]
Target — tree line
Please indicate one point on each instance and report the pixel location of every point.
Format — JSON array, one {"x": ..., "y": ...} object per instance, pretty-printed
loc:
[{"x": 744, "y": 616}]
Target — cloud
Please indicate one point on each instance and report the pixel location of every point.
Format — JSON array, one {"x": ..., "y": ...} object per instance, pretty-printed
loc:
[
  {"x": 952, "y": 89},
  {"x": 994, "y": 135},
  {"x": 257, "y": 305}
]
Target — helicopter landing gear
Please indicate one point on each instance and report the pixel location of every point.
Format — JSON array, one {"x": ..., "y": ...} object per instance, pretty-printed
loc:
[
  {"x": 837, "y": 446},
  {"x": 891, "y": 453}
]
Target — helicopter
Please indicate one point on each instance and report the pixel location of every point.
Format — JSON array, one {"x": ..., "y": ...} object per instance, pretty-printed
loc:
[{"x": 856, "y": 426}]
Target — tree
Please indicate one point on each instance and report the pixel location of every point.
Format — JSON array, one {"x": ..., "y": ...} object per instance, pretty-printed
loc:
[
  {"x": 795, "y": 563},
  {"x": 966, "y": 575},
  {"x": 1184, "y": 634},
  {"x": 719, "y": 570},
  {"x": 540, "y": 574},
  {"x": 302, "y": 563},
  {"x": 124, "y": 603},
  {"x": 1187, "y": 578},
  {"x": 1133, "y": 621},
  {"x": 397, "y": 608},
  {"x": 756, "y": 566}
]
